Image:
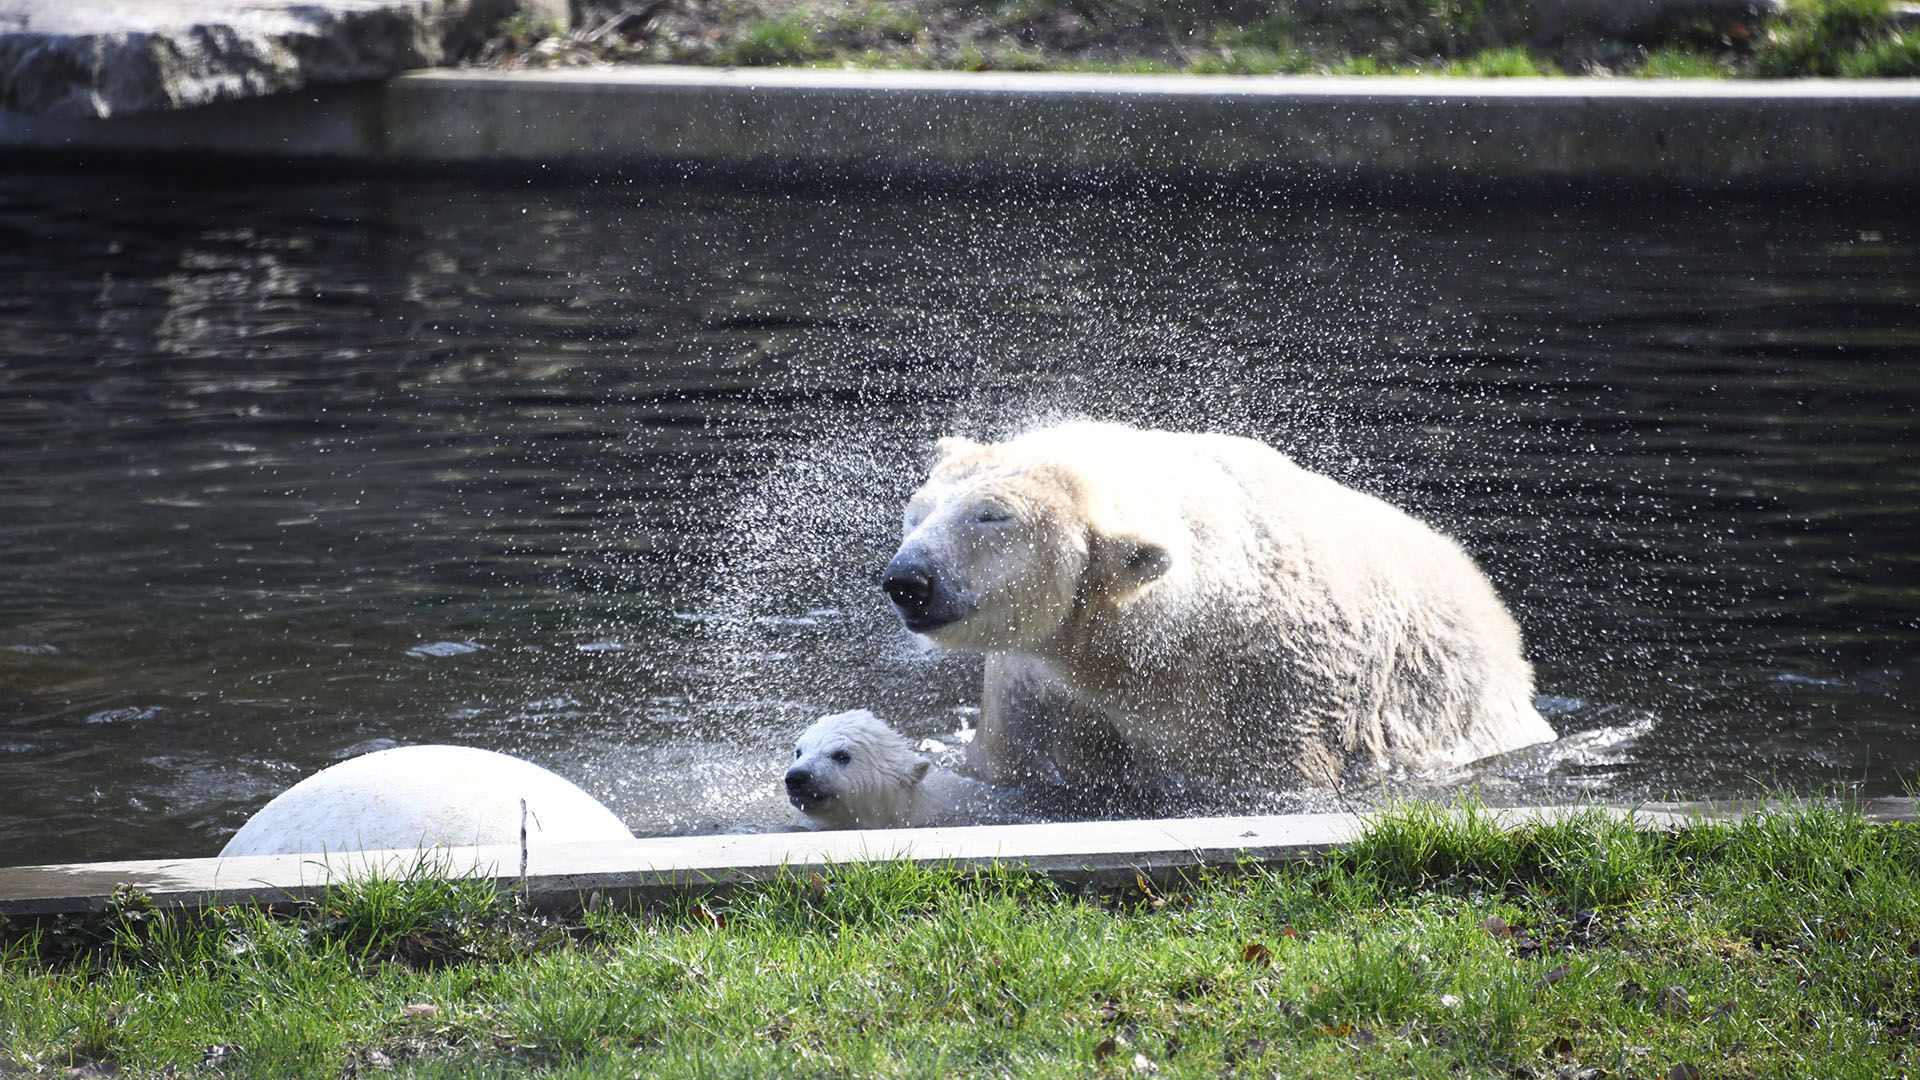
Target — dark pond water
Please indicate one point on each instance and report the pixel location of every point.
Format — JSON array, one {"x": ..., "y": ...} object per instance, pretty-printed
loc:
[{"x": 602, "y": 474}]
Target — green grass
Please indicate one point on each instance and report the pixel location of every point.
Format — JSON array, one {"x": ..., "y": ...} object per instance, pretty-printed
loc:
[
  {"x": 1885, "y": 56},
  {"x": 767, "y": 42},
  {"x": 1675, "y": 62},
  {"x": 1505, "y": 63},
  {"x": 1837, "y": 37},
  {"x": 1252, "y": 60},
  {"x": 1439, "y": 945}
]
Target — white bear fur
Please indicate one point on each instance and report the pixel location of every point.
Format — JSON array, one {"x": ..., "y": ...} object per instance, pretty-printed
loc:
[
  {"x": 851, "y": 771},
  {"x": 1164, "y": 607},
  {"x": 415, "y": 797}
]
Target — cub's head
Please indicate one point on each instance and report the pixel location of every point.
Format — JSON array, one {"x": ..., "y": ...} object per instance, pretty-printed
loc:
[
  {"x": 851, "y": 771},
  {"x": 1004, "y": 544}
]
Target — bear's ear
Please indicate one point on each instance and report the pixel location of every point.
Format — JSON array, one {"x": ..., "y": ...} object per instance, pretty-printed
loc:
[
  {"x": 1126, "y": 561},
  {"x": 920, "y": 770},
  {"x": 952, "y": 445}
]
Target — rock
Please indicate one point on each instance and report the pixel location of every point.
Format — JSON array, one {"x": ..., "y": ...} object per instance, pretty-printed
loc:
[{"x": 112, "y": 57}]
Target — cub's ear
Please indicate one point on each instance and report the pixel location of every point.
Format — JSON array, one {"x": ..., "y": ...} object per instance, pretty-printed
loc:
[
  {"x": 920, "y": 770},
  {"x": 1126, "y": 562}
]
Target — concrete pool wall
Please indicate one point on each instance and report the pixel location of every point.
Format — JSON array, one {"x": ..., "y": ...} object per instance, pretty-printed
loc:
[{"x": 884, "y": 126}]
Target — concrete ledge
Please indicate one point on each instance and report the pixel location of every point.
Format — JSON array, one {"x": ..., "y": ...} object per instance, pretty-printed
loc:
[
  {"x": 920, "y": 126},
  {"x": 559, "y": 876}
]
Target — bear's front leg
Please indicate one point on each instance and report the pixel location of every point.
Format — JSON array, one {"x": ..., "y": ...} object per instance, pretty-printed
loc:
[
  {"x": 1018, "y": 709},
  {"x": 1034, "y": 730}
]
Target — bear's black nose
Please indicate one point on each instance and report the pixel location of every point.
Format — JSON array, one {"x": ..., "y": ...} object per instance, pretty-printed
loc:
[
  {"x": 909, "y": 586},
  {"x": 801, "y": 789},
  {"x": 923, "y": 600}
]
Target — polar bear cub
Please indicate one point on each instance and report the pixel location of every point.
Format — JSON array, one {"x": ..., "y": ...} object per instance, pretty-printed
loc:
[
  {"x": 851, "y": 771},
  {"x": 413, "y": 797}
]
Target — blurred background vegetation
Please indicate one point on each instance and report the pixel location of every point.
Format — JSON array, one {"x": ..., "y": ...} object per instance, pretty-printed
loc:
[{"x": 1647, "y": 38}]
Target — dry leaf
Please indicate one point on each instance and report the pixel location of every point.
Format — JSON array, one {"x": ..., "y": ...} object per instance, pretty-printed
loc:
[
  {"x": 1685, "y": 1070},
  {"x": 421, "y": 1009},
  {"x": 817, "y": 885},
  {"x": 706, "y": 917},
  {"x": 1142, "y": 1066},
  {"x": 1496, "y": 926},
  {"x": 1555, "y": 975},
  {"x": 1105, "y": 1048},
  {"x": 1252, "y": 1048},
  {"x": 1257, "y": 953},
  {"x": 1289, "y": 931},
  {"x": 1674, "y": 1002},
  {"x": 1561, "y": 1046},
  {"x": 1582, "y": 928}
]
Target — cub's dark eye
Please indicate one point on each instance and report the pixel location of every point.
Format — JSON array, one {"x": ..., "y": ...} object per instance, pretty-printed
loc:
[
  {"x": 993, "y": 515},
  {"x": 841, "y": 757}
]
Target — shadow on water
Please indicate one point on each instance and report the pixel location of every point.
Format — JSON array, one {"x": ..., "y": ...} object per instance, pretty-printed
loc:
[{"x": 602, "y": 475}]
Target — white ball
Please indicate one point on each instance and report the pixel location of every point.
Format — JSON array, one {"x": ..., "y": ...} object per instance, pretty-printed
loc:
[{"x": 415, "y": 797}]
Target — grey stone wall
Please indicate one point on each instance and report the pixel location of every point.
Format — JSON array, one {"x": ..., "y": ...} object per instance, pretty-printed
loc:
[{"x": 86, "y": 59}]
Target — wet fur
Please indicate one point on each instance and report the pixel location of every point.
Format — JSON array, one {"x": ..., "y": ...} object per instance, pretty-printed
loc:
[
  {"x": 1161, "y": 607},
  {"x": 882, "y": 784}
]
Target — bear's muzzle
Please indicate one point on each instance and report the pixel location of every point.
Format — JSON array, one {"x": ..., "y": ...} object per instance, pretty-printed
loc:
[
  {"x": 804, "y": 790},
  {"x": 919, "y": 595}
]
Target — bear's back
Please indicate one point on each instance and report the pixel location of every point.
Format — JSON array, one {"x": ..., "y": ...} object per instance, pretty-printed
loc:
[{"x": 1291, "y": 595}]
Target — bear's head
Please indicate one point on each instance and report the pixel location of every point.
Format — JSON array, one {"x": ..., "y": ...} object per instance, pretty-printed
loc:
[
  {"x": 851, "y": 771},
  {"x": 1007, "y": 542}
]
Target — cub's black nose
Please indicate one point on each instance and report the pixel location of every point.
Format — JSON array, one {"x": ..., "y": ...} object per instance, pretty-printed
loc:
[{"x": 802, "y": 791}]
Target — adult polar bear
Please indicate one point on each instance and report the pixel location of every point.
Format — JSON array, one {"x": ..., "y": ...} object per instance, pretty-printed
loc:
[{"x": 1169, "y": 608}]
